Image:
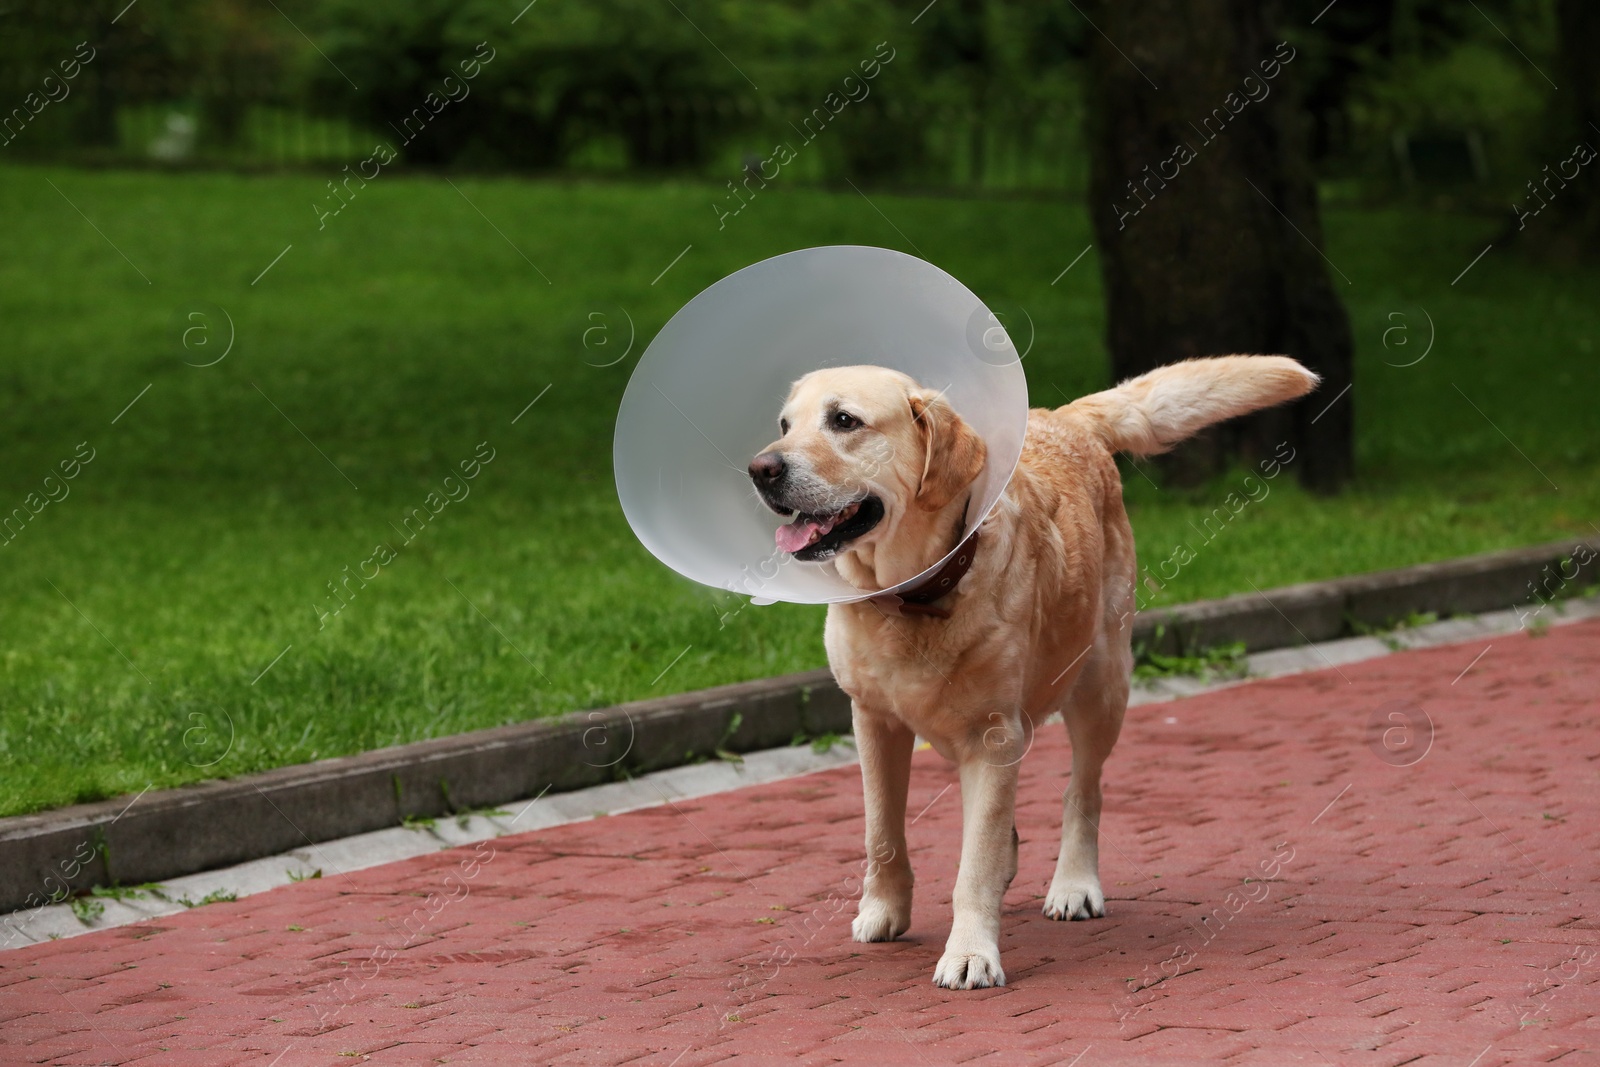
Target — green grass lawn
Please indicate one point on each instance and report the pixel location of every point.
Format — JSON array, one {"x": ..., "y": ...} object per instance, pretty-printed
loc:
[{"x": 199, "y": 544}]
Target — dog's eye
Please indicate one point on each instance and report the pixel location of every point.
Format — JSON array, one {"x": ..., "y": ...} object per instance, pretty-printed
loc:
[
  {"x": 783, "y": 427},
  {"x": 843, "y": 420}
]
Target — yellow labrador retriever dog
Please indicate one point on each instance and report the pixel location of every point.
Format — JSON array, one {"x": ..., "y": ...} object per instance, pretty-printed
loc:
[{"x": 1031, "y": 617}]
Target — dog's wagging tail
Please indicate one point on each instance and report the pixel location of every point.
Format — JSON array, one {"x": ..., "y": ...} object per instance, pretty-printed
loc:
[{"x": 1150, "y": 414}]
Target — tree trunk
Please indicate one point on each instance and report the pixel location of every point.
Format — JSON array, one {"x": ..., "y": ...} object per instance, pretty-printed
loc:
[{"x": 1205, "y": 214}]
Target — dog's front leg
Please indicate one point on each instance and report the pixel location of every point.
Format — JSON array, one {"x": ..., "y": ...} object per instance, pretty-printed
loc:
[
  {"x": 988, "y": 863},
  {"x": 884, "y": 743}
]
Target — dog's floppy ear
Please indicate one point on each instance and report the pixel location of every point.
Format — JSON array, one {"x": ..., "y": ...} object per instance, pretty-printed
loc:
[{"x": 952, "y": 454}]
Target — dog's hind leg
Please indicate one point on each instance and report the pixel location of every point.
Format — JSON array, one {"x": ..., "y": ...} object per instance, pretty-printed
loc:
[
  {"x": 1093, "y": 711},
  {"x": 884, "y": 743}
]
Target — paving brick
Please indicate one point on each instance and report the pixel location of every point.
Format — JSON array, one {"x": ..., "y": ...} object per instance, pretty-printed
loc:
[{"x": 1420, "y": 919}]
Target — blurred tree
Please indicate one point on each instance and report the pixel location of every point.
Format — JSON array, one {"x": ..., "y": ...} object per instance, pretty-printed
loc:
[
  {"x": 236, "y": 53},
  {"x": 633, "y": 71},
  {"x": 961, "y": 43},
  {"x": 997, "y": 68},
  {"x": 1354, "y": 47},
  {"x": 36, "y": 35},
  {"x": 399, "y": 53},
  {"x": 222, "y": 54},
  {"x": 1352, "y": 39},
  {"x": 883, "y": 136},
  {"x": 1205, "y": 212},
  {"x": 1436, "y": 93},
  {"x": 1574, "y": 230}
]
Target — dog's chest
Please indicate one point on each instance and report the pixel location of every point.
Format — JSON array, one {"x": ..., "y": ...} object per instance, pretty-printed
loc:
[
  {"x": 885, "y": 669},
  {"x": 920, "y": 704}
]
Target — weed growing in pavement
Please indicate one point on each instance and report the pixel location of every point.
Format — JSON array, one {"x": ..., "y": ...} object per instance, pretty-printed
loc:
[
  {"x": 1385, "y": 632},
  {"x": 1206, "y": 663}
]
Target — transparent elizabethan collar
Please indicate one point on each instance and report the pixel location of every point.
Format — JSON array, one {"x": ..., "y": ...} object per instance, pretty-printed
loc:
[{"x": 706, "y": 394}]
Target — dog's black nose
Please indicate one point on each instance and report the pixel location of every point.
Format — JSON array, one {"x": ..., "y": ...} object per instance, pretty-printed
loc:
[{"x": 767, "y": 469}]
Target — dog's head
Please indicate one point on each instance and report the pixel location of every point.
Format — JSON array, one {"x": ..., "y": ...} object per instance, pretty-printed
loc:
[{"x": 862, "y": 451}]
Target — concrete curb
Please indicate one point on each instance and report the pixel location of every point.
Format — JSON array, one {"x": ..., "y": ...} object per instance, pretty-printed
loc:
[
  {"x": 172, "y": 833},
  {"x": 1323, "y": 611}
]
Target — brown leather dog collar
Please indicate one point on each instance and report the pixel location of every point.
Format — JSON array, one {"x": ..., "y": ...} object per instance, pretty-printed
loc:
[{"x": 919, "y": 600}]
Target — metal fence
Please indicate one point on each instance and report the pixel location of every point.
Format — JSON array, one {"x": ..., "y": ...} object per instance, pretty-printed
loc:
[{"x": 241, "y": 126}]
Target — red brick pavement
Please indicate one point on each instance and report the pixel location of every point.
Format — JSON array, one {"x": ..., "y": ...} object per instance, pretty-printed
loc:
[{"x": 1420, "y": 914}]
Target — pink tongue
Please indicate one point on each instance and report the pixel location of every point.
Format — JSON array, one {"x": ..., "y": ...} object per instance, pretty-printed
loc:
[{"x": 801, "y": 532}]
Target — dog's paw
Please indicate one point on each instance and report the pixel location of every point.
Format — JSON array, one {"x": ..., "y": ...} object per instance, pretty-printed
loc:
[
  {"x": 969, "y": 970},
  {"x": 1075, "y": 899},
  {"x": 879, "y": 920}
]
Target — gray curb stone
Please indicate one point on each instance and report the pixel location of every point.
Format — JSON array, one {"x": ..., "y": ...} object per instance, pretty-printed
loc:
[
  {"x": 168, "y": 834},
  {"x": 1324, "y": 611}
]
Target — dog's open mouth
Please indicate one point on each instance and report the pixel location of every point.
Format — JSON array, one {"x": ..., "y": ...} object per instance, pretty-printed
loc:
[{"x": 810, "y": 538}]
